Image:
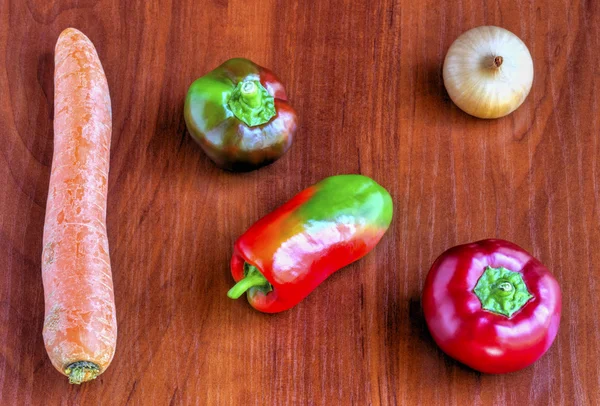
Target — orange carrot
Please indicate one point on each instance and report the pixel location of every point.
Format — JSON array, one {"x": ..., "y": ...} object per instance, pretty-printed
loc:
[{"x": 80, "y": 326}]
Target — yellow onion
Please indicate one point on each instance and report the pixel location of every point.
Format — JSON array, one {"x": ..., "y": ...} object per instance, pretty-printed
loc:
[{"x": 488, "y": 72}]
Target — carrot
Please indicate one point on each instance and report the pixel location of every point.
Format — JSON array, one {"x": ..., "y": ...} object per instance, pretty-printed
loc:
[{"x": 80, "y": 326}]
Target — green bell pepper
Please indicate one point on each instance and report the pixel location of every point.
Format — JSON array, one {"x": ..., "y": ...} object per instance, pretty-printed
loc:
[{"x": 240, "y": 116}]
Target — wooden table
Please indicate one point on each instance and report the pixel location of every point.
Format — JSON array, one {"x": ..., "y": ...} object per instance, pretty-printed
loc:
[{"x": 365, "y": 78}]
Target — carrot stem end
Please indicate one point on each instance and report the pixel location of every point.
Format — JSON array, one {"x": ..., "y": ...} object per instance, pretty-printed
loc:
[{"x": 82, "y": 371}]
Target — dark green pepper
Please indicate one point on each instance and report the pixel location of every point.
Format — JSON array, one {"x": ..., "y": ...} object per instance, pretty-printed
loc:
[{"x": 240, "y": 116}]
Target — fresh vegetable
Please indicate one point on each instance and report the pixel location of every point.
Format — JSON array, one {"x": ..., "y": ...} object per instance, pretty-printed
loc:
[
  {"x": 240, "y": 116},
  {"x": 80, "y": 326},
  {"x": 285, "y": 255},
  {"x": 488, "y": 72},
  {"x": 491, "y": 306}
]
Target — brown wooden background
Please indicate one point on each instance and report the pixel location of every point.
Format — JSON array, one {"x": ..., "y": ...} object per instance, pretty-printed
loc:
[{"x": 365, "y": 78}]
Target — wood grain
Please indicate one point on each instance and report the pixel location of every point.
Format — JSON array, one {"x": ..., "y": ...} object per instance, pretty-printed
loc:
[{"x": 365, "y": 78}]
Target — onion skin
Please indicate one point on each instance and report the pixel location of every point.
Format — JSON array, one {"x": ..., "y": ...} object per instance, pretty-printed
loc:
[{"x": 488, "y": 72}]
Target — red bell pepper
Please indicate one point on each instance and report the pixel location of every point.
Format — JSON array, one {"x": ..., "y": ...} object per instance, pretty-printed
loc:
[
  {"x": 491, "y": 306},
  {"x": 288, "y": 253}
]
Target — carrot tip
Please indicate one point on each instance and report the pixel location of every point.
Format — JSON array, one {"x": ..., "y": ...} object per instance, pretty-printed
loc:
[{"x": 82, "y": 371}]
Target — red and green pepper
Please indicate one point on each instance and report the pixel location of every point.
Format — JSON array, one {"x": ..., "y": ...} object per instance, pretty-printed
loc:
[
  {"x": 288, "y": 253},
  {"x": 491, "y": 306},
  {"x": 240, "y": 116}
]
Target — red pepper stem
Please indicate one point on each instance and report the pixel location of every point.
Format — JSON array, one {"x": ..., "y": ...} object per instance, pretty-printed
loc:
[
  {"x": 249, "y": 281},
  {"x": 502, "y": 291}
]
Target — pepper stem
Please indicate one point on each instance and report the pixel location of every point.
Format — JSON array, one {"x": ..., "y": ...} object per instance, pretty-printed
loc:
[
  {"x": 250, "y": 94},
  {"x": 252, "y": 279},
  {"x": 505, "y": 286},
  {"x": 502, "y": 291},
  {"x": 251, "y": 103},
  {"x": 82, "y": 371}
]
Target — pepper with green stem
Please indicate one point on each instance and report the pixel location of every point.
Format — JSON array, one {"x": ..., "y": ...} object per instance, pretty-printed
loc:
[
  {"x": 240, "y": 116},
  {"x": 285, "y": 255},
  {"x": 492, "y": 306}
]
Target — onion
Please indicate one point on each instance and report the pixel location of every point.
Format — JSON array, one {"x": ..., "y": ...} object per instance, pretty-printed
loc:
[{"x": 488, "y": 72}]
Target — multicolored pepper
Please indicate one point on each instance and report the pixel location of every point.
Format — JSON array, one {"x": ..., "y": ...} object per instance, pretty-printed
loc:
[
  {"x": 240, "y": 116},
  {"x": 288, "y": 253}
]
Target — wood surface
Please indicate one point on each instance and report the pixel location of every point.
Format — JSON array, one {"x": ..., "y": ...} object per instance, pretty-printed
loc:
[{"x": 365, "y": 78}]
